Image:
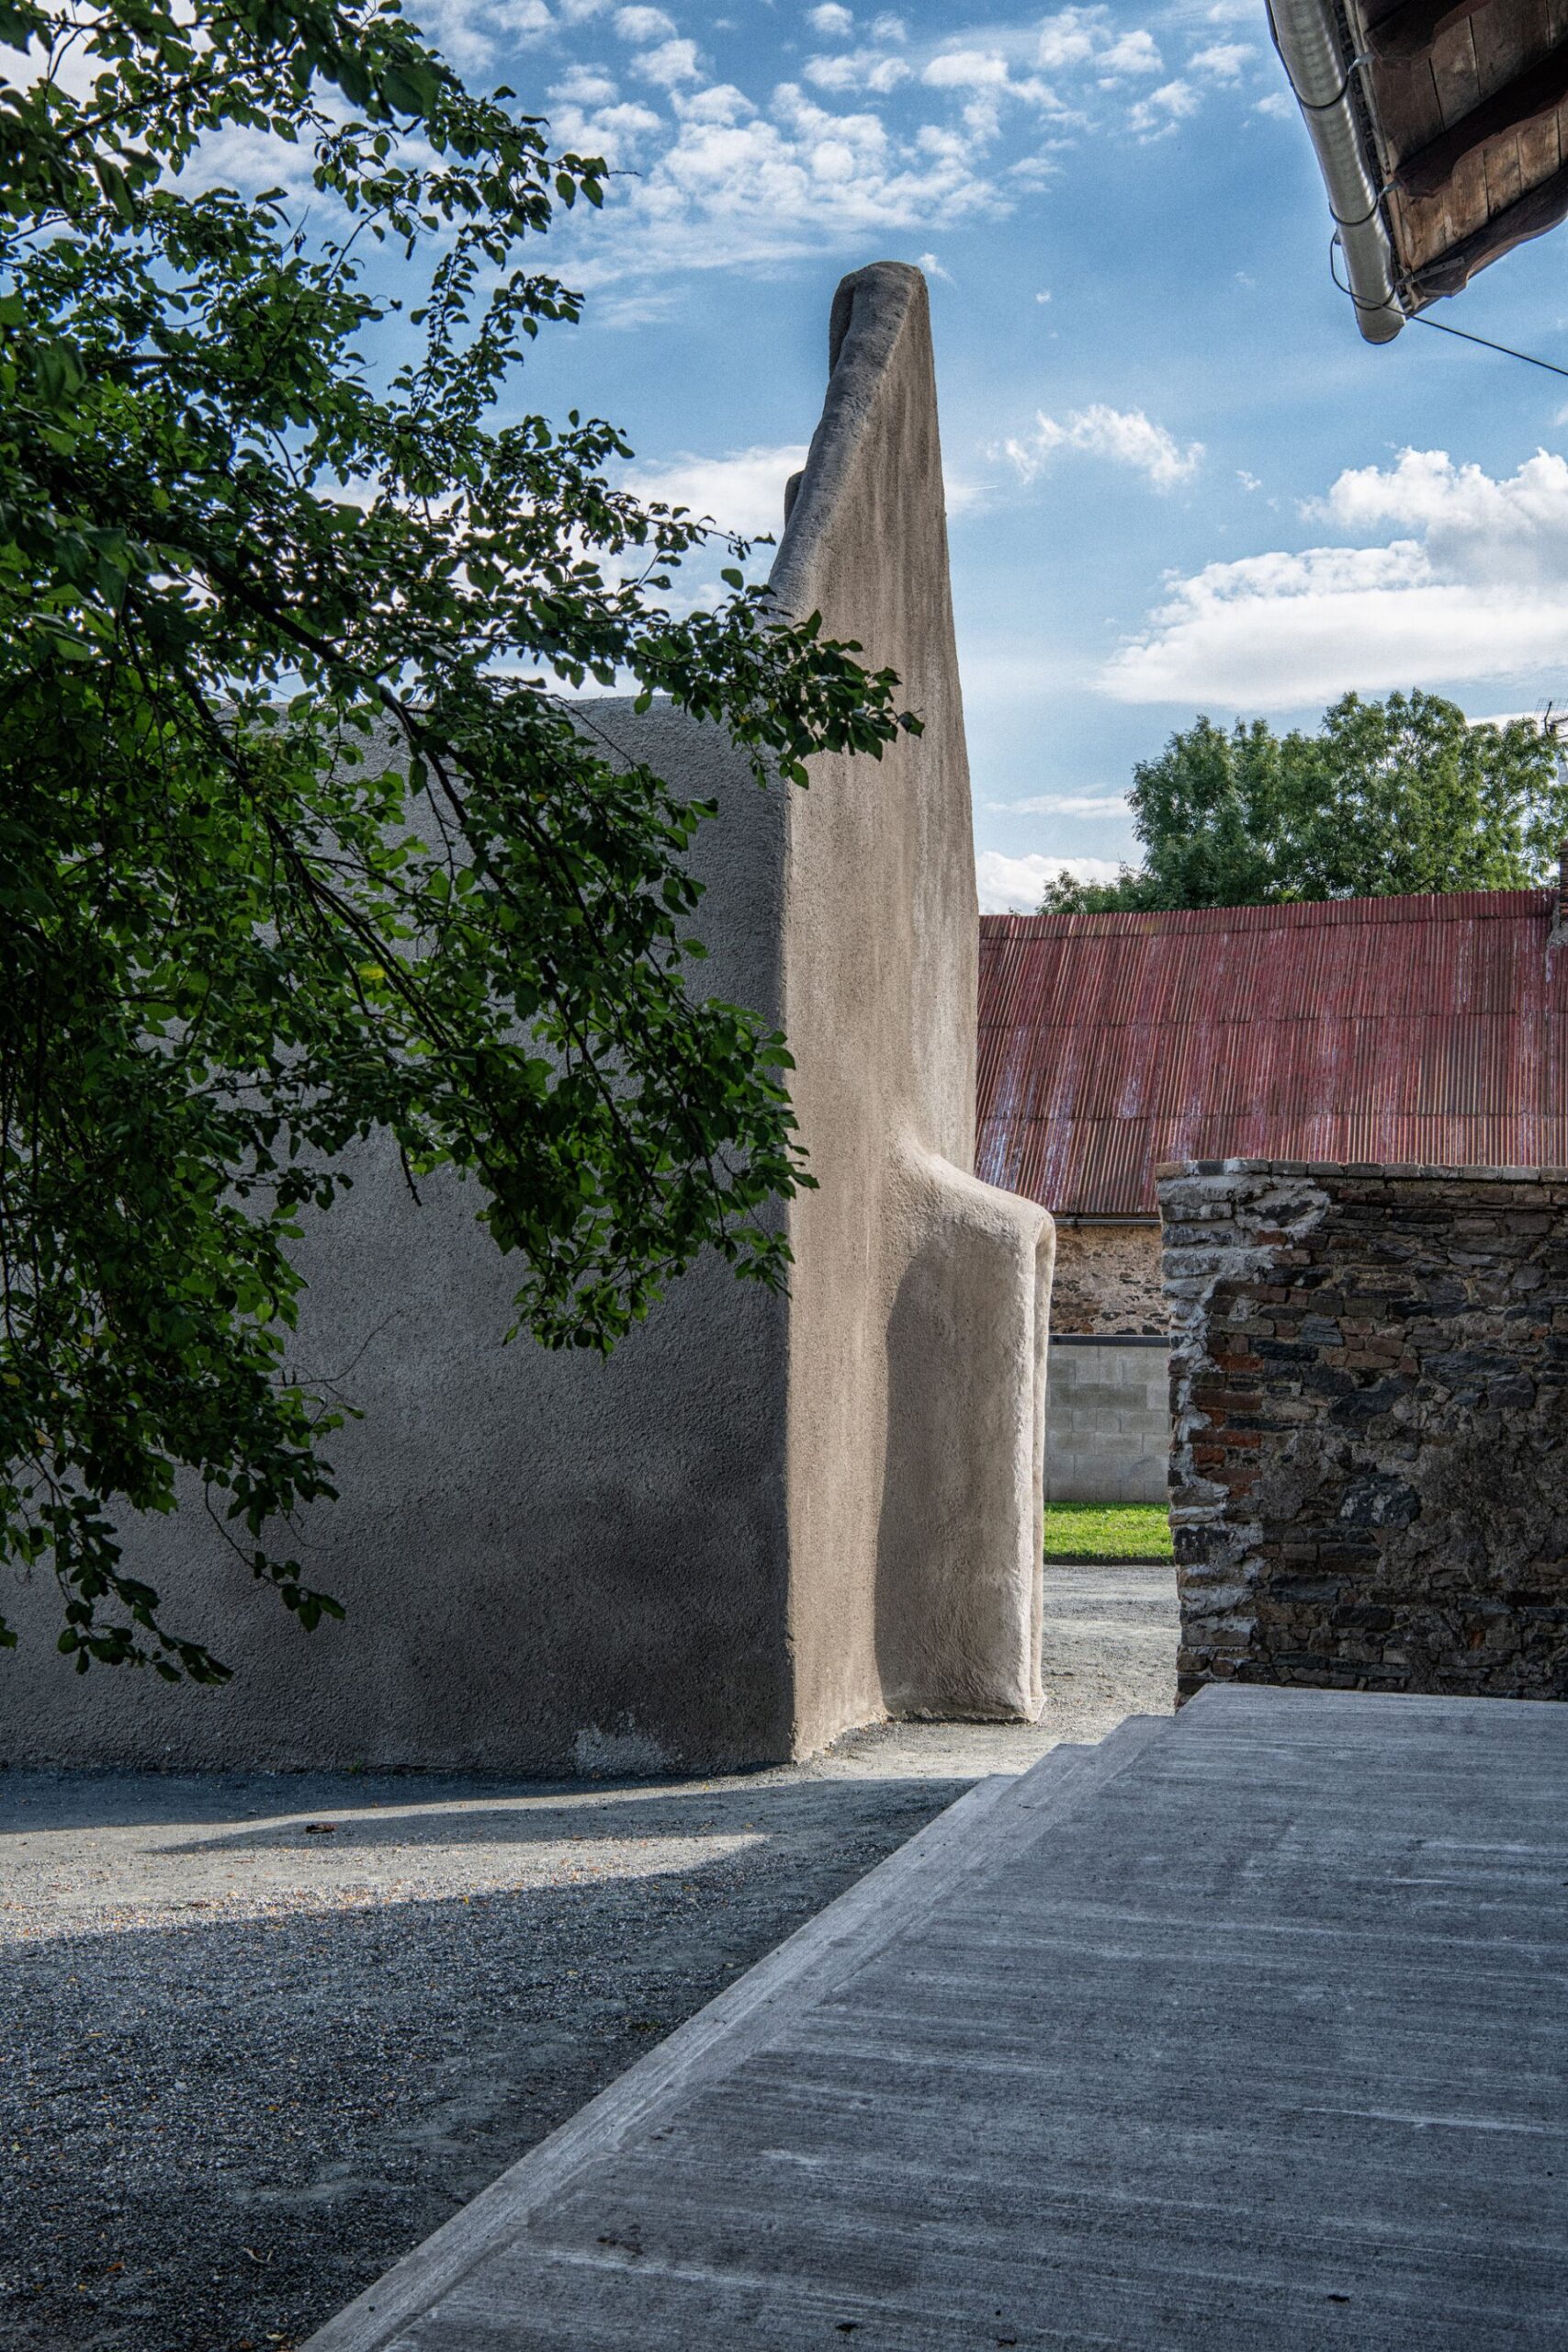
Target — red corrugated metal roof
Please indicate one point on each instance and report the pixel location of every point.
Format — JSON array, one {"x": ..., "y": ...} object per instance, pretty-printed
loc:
[{"x": 1430, "y": 1029}]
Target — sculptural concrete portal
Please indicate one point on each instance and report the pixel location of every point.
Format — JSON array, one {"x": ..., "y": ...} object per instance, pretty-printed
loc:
[{"x": 763, "y": 1520}]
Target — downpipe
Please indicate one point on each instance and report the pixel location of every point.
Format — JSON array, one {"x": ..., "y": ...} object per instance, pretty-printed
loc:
[{"x": 1306, "y": 35}]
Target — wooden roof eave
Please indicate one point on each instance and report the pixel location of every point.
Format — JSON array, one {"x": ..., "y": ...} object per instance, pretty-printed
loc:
[
  {"x": 1535, "y": 93},
  {"x": 1441, "y": 132},
  {"x": 1407, "y": 33},
  {"x": 1538, "y": 209},
  {"x": 1466, "y": 105}
]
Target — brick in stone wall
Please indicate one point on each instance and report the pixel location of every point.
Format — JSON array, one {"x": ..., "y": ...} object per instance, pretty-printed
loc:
[{"x": 1369, "y": 1405}]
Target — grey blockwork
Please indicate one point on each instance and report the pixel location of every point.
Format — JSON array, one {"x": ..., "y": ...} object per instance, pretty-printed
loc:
[
  {"x": 764, "y": 1519},
  {"x": 1108, "y": 1437}
]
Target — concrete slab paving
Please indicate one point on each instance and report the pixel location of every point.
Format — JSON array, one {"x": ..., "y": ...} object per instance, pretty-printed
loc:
[
  {"x": 261, "y": 2033},
  {"x": 1247, "y": 2028}
]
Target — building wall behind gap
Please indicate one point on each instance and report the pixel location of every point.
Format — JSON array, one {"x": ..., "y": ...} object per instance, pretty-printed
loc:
[{"x": 1107, "y": 1278}]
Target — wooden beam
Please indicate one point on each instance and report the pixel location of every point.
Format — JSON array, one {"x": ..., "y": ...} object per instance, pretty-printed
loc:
[
  {"x": 1407, "y": 32},
  {"x": 1537, "y": 91},
  {"x": 1542, "y": 209}
]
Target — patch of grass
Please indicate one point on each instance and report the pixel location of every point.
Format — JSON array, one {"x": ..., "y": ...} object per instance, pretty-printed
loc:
[{"x": 1107, "y": 1531}]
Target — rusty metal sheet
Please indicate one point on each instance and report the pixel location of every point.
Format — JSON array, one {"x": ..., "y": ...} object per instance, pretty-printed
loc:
[{"x": 1429, "y": 1030}]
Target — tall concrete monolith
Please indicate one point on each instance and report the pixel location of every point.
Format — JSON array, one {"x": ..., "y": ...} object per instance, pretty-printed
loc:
[{"x": 764, "y": 1519}]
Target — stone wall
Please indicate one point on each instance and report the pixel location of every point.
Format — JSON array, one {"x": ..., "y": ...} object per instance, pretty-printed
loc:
[
  {"x": 1370, "y": 1392},
  {"x": 1108, "y": 1433},
  {"x": 1107, "y": 1278}
]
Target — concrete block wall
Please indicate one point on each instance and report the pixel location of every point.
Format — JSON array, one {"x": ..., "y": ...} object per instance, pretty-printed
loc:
[
  {"x": 1370, "y": 1390},
  {"x": 1108, "y": 1429}
]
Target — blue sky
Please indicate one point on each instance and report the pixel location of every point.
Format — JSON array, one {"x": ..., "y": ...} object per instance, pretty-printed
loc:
[{"x": 1179, "y": 481}]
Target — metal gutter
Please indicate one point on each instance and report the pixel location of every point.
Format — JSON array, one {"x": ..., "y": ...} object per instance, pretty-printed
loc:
[{"x": 1308, "y": 37}]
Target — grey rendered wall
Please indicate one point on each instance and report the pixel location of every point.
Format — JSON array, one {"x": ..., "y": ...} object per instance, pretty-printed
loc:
[
  {"x": 764, "y": 1519},
  {"x": 550, "y": 1563},
  {"x": 1108, "y": 1433}
]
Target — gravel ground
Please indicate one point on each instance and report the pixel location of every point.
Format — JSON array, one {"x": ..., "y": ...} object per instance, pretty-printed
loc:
[{"x": 264, "y": 2033}]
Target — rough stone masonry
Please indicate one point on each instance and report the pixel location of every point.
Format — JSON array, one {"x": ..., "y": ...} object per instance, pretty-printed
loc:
[{"x": 1370, "y": 1408}]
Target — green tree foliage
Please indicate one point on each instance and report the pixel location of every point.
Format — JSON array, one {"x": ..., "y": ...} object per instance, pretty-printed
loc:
[
  {"x": 1386, "y": 798},
  {"x": 298, "y": 841}
]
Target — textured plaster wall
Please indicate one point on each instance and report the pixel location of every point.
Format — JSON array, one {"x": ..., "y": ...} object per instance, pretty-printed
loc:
[
  {"x": 1108, "y": 1438},
  {"x": 918, "y": 1322},
  {"x": 1107, "y": 1278},
  {"x": 1370, "y": 1385},
  {"x": 764, "y": 1519},
  {"x": 550, "y": 1563}
]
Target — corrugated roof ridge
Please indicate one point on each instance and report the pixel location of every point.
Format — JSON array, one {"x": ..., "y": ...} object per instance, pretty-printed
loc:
[
  {"x": 1430, "y": 1027},
  {"x": 1435, "y": 906}
]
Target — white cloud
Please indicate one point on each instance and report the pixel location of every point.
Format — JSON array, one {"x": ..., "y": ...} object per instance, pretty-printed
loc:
[
  {"x": 737, "y": 188},
  {"x": 963, "y": 496},
  {"x": 1132, "y": 53},
  {"x": 584, "y": 85},
  {"x": 1479, "y": 590},
  {"x": 820, "y": 167},
  {"x": 627, "y": 311},
  {"x": 933, "y": 268},
  {"x": 966, "y": 69},
  {"x": 1163, "y": 109},
  {"x": 1125, "y": 436},
  {"x": 672, "y": 63},
  {"x": 1222, "y": 58},
  {"x": 1501, "y": 532},
  {"x": 885, "y": 73},
  {"x": 1278, "y": 106},
  {"x": 240, "y": 156},
  {"x": 861, "y": 69},
  {"x": 644, "y": 24},
  {"x": 619, "y": 133},
  {"x": 721, "y": 102},
  {"x": 471, "y": 37},
  {"x": 1088, "y": 39},
  {"x": 1072, "y": 37},
  {"x": 1064, "y": 804},
  {"x": 744, "y": 491},
  {"x": 1012, "y": 886}
]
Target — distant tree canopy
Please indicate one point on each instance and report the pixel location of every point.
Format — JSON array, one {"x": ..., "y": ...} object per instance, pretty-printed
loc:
[{"x": 1386, "y": 798}]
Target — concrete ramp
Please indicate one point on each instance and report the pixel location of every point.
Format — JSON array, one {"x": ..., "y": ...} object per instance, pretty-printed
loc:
[{"x": 1243, "y": 2030}]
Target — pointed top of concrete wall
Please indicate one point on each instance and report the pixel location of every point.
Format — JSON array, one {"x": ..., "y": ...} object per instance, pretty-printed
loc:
[{"x": 881, "y": 375}]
